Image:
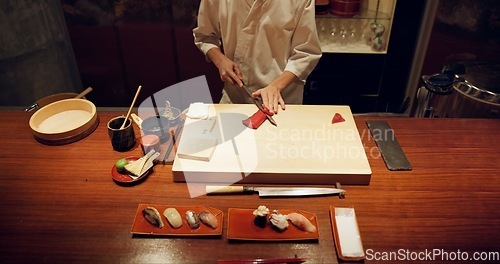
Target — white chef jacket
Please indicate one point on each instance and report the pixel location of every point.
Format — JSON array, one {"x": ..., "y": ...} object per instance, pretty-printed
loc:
[{"x": 265, "y": 38}]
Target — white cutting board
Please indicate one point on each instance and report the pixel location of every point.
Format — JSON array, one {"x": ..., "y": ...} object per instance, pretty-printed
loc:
[{"x": 305, "y": 148}]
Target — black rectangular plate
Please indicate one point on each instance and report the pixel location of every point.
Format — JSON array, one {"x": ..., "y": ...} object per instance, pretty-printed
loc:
[{"x": 392, "y": 153}]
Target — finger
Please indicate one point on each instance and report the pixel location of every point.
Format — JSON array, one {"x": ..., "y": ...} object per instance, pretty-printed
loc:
[
  {"x": 270, "y": 104},
  {"x": 227, "y": 79},
  {"x": 265, "y": 101},
  {"x": 237, "y": 70},
  {"x": 227, "y": 76},
  {"x": 235, "y": 79},
  {"x": 256, "y": 94},
  {"x": 275, "y": 104},
  {"x": 282, "y": 103}
]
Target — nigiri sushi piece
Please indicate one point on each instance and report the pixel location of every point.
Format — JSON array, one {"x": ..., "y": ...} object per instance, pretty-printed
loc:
[
  {"x": 209, "y": 219},
  {"x": 301, "y": 222},
  {"x": 192, "y": 219},
  {"x": 260, "y": 214},
  {"x": 173, "y": 217},
  {"x": 278, "y": 221},
  {"x": 152, "y": 216}
]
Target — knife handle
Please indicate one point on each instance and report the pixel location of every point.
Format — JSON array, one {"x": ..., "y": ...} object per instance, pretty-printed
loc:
[{"x": 221, "y": 189}]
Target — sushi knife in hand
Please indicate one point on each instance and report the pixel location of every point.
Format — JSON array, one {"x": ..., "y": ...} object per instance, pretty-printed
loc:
[
  {"x": 273, "y": 191},
  {"x": 259, "y": 105}
]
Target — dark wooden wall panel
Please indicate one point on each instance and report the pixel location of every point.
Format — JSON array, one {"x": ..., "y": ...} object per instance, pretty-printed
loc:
[
  {"x": 192, "y": 62},
  {"x": 148, "y": 57}
]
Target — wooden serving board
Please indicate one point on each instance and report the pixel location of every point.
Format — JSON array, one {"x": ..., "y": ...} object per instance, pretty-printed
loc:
[{"x": 305, "y": 148}]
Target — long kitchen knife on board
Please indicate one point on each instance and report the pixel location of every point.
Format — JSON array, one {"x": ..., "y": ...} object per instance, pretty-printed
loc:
[
  {"x": 259, "y": 105},
  {"x": 273, "y": 191}
]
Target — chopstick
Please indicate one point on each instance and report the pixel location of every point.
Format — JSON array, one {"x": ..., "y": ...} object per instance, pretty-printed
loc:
[
  {"x": 158, "y": 119},
  {"x": 172, "y": 143},
  {"x": 261, "y": 261},
  {"x": 131, "y": 106}
]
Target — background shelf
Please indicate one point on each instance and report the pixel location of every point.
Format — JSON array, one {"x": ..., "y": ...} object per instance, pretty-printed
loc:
[{"x": 363, "y": 14}]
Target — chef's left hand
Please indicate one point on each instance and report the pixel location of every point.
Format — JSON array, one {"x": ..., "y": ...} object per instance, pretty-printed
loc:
[{"x": 271, "y": 98}]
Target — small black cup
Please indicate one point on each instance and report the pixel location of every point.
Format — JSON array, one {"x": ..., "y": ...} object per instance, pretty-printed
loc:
[{"x": 121, "y": 139}]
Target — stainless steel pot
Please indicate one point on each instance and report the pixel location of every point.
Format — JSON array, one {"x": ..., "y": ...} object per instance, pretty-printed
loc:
[{"x": 476, "y": 96}]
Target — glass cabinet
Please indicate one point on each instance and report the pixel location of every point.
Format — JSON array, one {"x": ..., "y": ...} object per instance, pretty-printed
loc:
[
  {"x": 365, "y": 28},
  {"x": 355, "y": 70}
]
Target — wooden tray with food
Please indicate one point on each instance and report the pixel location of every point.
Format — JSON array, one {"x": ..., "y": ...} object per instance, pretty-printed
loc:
[
  {"x": 170, "y": 220},
  {"x": 271, "y": 225}
]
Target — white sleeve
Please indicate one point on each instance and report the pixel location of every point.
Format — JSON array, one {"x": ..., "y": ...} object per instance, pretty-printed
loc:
[
  {"x": 305, "y": 49},
  {"x": 207, "y": 33}
]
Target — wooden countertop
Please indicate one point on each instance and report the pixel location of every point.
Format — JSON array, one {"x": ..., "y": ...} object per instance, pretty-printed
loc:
[{"x": 59, "y": 204}]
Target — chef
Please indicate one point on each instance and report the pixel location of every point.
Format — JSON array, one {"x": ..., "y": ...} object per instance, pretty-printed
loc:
[{"x": 270, "y": 46}]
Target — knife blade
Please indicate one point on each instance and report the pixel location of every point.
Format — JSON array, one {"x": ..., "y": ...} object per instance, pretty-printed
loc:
[
  {"x": 273, "y": 191},
  {"x": 259, "y": 105}
]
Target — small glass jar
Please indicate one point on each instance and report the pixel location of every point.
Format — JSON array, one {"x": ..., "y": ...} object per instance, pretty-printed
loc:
[
  {"x": 345, "y": 8},
  {"x": 149, "y": 142},
  {"x": 321, "y": 7}
]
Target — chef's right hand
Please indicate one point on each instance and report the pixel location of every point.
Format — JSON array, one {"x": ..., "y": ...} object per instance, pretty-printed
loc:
[{"x": 229, "y": 71}]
